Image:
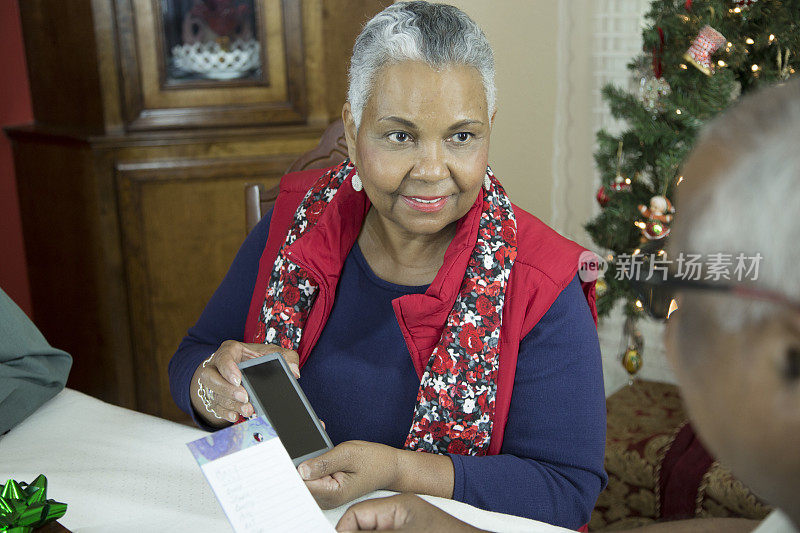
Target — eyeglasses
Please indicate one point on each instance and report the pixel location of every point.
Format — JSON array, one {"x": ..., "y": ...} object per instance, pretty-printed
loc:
[{"x": 659, "y": 295}]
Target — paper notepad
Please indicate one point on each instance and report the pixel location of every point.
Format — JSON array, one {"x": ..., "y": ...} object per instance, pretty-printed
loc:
[{"x": 255, "y": 481}]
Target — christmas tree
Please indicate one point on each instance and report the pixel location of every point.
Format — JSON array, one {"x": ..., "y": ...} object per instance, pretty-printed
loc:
[{"x": 699, "y": 57}]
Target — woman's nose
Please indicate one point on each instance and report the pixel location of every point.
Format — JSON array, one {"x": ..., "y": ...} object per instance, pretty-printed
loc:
[{"x": 431, "y": 164}]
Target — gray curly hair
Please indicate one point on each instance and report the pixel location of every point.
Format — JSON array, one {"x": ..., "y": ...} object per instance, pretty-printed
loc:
[{"x": 438, "y": 34}]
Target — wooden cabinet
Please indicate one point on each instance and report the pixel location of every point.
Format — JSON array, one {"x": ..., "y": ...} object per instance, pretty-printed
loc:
[
  {"x": 279, "y": 93},
  {"x": 131, "y": 181}
]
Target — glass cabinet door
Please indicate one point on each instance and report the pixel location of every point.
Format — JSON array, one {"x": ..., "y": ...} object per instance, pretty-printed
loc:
[
  {"x": 215, "y": 63},
  {"x": 210, "y": 40}
]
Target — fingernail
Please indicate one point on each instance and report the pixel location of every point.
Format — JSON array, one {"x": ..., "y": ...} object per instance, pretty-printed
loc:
[
  {"x": 240, "y": 395},
  {"x": 295, "y": 369},
  {"x": 235, "y": 380},
  {"x": 232, "y": 417},
  {"x": 304, "y": 471}
]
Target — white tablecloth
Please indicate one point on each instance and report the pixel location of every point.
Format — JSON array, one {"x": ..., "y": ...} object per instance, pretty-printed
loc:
[{"x": 119, "y": 470}]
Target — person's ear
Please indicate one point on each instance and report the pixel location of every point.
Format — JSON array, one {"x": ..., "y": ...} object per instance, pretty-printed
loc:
[
  {"x": 491, "y": 120},
  {"x": 350, "y": 131}
]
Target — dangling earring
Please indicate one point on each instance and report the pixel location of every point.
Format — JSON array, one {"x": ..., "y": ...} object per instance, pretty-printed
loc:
[
  {"x": 356, "y": 182},
  {"x": 487, "y": 183}
]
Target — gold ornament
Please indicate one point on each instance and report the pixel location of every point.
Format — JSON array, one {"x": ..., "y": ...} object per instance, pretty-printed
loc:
[
  {"x": 632, "y": 360},
  {"x": 600, "y": 287},
  {"x": 620, "y": 183},
  {"x": 784, "y": 68}
]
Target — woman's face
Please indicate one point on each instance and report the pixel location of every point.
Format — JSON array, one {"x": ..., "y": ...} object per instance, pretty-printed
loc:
[{"x": 423, "y": 145}]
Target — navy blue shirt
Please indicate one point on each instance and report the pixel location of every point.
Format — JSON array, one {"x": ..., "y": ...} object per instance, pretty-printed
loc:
[{"x": 361, "y": 381}]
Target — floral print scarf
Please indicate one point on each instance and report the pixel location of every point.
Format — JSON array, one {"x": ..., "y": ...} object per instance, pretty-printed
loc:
[{"x": 456, "y": 399}]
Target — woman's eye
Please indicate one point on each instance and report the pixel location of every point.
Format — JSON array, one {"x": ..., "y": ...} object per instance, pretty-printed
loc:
[
  {"x": 398, "y": 136},
  {"x": 462, "y": 137}
]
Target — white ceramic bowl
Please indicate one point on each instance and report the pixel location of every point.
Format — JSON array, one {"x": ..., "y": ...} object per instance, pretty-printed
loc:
[{"x": 211, "y": 61}]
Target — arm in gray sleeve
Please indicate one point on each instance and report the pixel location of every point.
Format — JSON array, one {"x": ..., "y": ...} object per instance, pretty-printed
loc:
[{"x": 31, "y": 371}]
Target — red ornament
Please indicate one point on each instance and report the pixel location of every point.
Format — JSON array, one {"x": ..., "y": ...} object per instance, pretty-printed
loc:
[
  {"x": 705, "y": 44},
  {"x": 654, "y": 230},
  {"x": 658, "y": 66},
  {"x": 602, "y": 196}
]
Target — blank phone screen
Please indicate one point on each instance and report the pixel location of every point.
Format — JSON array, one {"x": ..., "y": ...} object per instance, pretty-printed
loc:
[{"x": 284, "y": 408}]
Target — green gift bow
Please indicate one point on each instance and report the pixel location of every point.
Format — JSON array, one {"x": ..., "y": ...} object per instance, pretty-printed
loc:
[{"x": 24, "y": 507}]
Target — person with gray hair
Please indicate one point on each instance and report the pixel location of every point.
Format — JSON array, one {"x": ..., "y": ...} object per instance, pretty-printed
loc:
[
  {"x": 734, "y": 344},
  {"x": 422, "y": 310}
]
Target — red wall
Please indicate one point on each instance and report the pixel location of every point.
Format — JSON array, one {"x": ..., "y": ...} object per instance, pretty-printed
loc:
[{"x": 15, "y": 108}]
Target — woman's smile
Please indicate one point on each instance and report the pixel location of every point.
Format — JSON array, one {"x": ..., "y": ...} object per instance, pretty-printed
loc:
[{"x": 426, "y": 204}]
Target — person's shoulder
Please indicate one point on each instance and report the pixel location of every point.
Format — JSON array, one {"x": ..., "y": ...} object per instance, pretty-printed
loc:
[
  {"x": 544, "y": 276},
  {"x": 543, "y": 250},
  {"x": 291, "y": 191},
  {"x": 301, "y": 181}
]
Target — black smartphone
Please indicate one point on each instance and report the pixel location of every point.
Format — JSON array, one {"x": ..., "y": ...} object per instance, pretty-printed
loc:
[{"x": 276, "y": 395}]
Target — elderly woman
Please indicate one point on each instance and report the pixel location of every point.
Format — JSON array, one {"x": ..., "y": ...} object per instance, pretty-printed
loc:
[
  {"x": 421, "y": 310},
  {"x": 734, "y": 344}
]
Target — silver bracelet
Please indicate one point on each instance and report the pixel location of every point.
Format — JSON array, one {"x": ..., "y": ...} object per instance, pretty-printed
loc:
[{"x": 205, "y": 394}]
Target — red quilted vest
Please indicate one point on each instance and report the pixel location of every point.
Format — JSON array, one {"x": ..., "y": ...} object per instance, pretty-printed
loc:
[{"x": 546, "y": 263}]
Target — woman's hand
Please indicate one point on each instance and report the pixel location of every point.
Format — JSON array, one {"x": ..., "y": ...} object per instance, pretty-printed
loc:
[
  {"x": 404, "y": 512},
  {"x": 221, "y": 381},
  {"x": 355, "y": 468},
  {"x": 350, "y": 470}
]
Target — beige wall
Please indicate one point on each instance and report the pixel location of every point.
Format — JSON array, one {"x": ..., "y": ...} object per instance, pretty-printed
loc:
[
  {"x": 544, "y": 133},
  {"x": 523, "y": 35}
]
